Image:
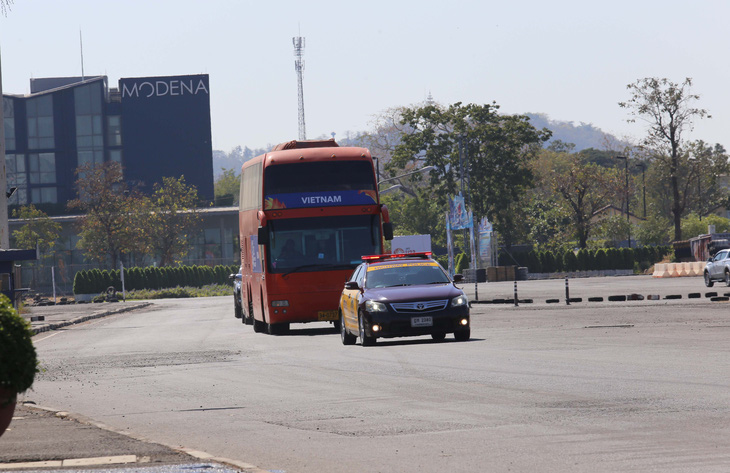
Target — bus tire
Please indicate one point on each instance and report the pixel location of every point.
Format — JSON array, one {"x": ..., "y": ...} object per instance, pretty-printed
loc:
[
  {"x": 248, "y": 319},
  {"x": 278, "y": 329},
  {"x": 258, "y": 326}
]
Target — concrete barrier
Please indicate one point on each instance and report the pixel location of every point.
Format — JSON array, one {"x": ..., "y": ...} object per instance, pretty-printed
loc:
[
  {"x": 660, "y": 270},
  {"x": 673, "y": 270}
]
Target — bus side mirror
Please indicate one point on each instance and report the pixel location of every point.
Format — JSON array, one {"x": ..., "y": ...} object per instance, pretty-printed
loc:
[
  {"x": 351, "y": 285},
  {"x": 263, "y": 236},
  {"x": 458, "y": 277},
  {"x": 388, "y": 230}
]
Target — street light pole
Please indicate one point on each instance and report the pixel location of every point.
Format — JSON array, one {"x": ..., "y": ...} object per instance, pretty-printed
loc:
[
  {"x": 427, "y": 168},
  {"x": 628, "y": 219},
  {"x": 642, "y": 166}
]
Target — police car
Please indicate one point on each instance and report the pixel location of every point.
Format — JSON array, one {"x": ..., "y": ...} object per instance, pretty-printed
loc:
[{"x": 402, "y": 295}]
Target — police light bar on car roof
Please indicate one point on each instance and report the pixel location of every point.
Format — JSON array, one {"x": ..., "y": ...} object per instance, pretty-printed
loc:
[{"x": 423, "y": 254}]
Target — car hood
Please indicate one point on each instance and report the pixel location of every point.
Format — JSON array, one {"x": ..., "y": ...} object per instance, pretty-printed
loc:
[{"x": 413, "y": 293}]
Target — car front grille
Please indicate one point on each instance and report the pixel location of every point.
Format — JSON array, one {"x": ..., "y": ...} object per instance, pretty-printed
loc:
[{"x": 418, "y": 307}]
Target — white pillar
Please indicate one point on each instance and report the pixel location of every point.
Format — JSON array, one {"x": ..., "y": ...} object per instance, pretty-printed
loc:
[{"x": 4, "y": 230}]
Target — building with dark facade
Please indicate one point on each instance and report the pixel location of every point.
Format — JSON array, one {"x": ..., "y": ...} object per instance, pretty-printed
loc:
[{"x": 154, "y": 126}]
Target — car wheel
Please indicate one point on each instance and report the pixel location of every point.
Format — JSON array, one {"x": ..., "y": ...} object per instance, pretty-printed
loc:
[
  {"x": 708, "y": 280},
  {"x": 364, "y": 339},
  {"x": 347, "y": 337},
  {"x": 462, "y": 335},
  {"x": 237, "y": 312},
  {"x": 439, "y": 336},
  {"x": 727, "y": 278}
]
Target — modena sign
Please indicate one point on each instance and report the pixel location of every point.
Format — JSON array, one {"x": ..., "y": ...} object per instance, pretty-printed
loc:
[{"x": 162, "y": 87}]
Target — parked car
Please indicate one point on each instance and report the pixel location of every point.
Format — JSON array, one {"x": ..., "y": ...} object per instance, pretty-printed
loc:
[
  {"x": 718, "y": 268},
  {"x": 238, "y": 311},
  {"x": 401, "y": 296}
]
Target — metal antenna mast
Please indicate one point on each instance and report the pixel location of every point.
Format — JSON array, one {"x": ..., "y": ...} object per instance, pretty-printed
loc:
[{"x": 299, "y": 67}]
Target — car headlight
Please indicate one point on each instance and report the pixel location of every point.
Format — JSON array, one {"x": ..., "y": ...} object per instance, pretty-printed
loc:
[
  {"x": 459, "y": 301},
  {"x": 372, "y": 306}
]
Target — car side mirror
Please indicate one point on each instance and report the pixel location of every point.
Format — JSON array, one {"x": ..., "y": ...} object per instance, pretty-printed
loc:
[
  {"x": 231, "y": 277},
  {"x": 352, "y": 285},
  {"x": 458, "y": 277}
]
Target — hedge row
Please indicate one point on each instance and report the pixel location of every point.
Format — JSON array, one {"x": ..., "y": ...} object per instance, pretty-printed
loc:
[
  {"x": 586, "y": 260},
  {"x": 95, "y": 281}
]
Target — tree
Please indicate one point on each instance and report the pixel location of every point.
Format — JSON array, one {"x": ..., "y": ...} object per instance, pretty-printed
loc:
[
  {"x": 581, "y": 188},
  {"x": 226, "y": 187},
  {"x": 38, "y": 232},
  {"x": 114, "y": 218},
  {"x": 497, "y": 149},
  {"x": 418, "y": 215},
  {"x": 173, "y": 219},
  {"x": 667, "y": 108},
  {"x": 707, "y": 164},
  {"x": 693, "y": 226}
]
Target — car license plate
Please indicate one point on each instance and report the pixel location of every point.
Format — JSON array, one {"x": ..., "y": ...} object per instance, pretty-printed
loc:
[
  {"x": 421, "y": 321},
  {"x": 328, "y": 315}
]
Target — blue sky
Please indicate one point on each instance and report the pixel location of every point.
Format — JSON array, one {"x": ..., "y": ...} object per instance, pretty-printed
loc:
[{"x": 570, "y": 60}]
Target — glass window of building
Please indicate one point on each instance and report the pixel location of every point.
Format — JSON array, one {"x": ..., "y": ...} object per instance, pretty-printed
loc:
[
  {"x": 89, "y": 125},
  {"x": 115, "y": 155},
  {"x": 9, "y": 120},
  {"x": 44, "y": 195},
  {"x": 42, "y": 168},
  {"x": 39, "y": 112},
  {"x": 114, "y": 130},
  {"x": 17, "y": 177}
]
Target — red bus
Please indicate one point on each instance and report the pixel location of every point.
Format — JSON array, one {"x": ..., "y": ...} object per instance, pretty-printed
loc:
[{"x": 308, "y": 212}]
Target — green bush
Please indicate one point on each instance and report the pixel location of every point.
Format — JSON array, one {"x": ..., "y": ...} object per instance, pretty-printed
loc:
[
  {"x": 18, "y": 359},
  {"x": 570, "y": 261},
  {"x": 461, "y": 263}
]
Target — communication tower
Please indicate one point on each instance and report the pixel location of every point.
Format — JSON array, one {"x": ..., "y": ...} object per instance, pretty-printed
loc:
[{"x": 299, "y": 67}]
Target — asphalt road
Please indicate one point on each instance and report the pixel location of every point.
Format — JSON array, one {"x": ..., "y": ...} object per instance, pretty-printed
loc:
[{"x": 636, "y": 385}]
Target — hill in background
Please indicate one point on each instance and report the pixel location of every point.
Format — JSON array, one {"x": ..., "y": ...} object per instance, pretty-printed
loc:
[{"x": 583, "y": 136}]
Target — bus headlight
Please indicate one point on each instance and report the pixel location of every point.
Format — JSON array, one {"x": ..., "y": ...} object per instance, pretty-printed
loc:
[
  {"x": 372, "y": 306},
  {"x": 459, "y": 301}
]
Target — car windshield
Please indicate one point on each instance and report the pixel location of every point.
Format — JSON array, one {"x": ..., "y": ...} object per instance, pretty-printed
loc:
[{"x": 405, "y": 275}]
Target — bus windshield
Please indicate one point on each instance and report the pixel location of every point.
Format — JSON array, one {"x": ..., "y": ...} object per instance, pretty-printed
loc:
[{"x": 322, "y": 243}]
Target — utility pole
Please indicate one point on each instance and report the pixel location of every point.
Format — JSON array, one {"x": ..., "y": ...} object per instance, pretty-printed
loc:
[{"x": 299, "y": 67}]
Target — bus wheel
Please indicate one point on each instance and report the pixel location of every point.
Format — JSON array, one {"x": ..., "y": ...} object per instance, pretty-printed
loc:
[
  {"x": 248, "y": 320},
  {"x": 278, "y": 329},
  {"x": 364, "y": 339},
  {"x": 258, "y": 326}
]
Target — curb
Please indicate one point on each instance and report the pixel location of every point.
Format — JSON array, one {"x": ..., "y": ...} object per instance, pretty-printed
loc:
[
  {"x": 84, "y": 318},
  {"x": 123, "y": 459}
]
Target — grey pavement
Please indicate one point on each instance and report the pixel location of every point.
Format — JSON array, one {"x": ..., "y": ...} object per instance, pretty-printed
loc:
[
  {"x": 53, "y": 317},
  {"x": 44, "y": 440}
]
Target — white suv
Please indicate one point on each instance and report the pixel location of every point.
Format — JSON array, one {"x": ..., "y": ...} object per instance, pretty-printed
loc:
[{"x": 718, "y": 268}]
